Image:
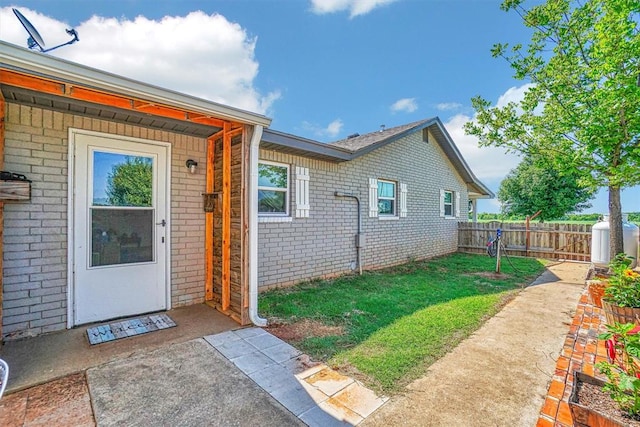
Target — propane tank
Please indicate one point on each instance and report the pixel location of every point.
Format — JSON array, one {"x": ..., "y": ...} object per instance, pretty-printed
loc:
[{"x": 600, "y": 235}]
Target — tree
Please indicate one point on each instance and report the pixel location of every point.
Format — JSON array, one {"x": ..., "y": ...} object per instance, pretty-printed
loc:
[
  {"x": 536, "y": 185},
  {"x": 130, "y": 183},
  {"x": 581, "y": 109}
]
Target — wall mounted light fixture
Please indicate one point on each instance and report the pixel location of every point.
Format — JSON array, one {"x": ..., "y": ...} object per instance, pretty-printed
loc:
[{"x": 191, "y": 165}]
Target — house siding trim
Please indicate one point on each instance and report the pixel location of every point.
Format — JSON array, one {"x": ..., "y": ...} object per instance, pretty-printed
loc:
[{"x": 323, "y": 245}]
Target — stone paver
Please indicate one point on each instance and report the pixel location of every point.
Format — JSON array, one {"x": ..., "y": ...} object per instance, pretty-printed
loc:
[
  {"x": 318, "y": 395},
  {"x": 318, "y": 416},
  {"x": 63, "y": 402},
  {"x": 328, "y": 381}
]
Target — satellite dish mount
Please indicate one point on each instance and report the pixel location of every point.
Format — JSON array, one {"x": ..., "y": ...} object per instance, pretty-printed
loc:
[{"x": 35, "y": 41}]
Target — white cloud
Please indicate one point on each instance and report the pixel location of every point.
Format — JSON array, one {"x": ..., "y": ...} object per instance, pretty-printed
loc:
[
  {"x": 199, "y": 54},
  {"x": 332, "y": 130},
  {"x": 355, "y": 7},
  {"x": 513, "y": 94},
  {"x": 489, "y": 164},
  {"x": 408, "y": 105},
  {"x": 447, "y": 106}
]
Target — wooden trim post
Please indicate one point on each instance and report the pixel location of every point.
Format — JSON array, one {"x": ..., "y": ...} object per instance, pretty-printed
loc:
[
  {"x": 226, "y": 217},
  {"x": 527, "y": 243},
  {"x": 2, "y": 128},
  {"x": 208, "y": 222},
  {"x": 244, "y": 208}
]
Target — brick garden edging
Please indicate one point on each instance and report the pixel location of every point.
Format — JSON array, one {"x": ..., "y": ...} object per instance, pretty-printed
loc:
[{"x": 581, "y": 351}]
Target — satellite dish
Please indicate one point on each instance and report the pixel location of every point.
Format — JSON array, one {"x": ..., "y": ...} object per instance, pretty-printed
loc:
[{"x": 35, "y": 40}]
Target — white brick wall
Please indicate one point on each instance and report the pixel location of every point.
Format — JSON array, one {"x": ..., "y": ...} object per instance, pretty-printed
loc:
[
  {"x": 324, "y": 244},
  {"x": 35, "y": 232}
]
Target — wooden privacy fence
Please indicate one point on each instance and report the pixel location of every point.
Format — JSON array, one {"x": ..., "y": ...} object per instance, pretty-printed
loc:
[{"x": 553, "y": 241}]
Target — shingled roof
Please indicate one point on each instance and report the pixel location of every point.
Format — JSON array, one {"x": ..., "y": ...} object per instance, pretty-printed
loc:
[
  {"x": 356, "y": 146},
  {"x": 355, "y": 143}
]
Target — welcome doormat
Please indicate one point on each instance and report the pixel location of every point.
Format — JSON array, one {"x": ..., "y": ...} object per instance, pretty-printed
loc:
[{"x": 128, "y": 328}]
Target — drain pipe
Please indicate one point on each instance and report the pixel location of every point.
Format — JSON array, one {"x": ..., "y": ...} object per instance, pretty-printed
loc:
[
  {"x": 360, "y": 236},
  {"x": 254, "y": 149}
]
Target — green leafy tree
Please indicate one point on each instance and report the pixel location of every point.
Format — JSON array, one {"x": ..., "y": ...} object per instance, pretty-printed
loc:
[
  {"x": 536, "y": 185},
  {"x": 592, "y": 217},
  {"x": 634, "y": 217},
  {"x": 130, "y": 183},
  {"x": 582, "y": 106}
]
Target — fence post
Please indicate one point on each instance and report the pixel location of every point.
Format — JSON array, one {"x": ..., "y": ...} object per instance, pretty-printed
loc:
[{"x": 526, "y": 238}]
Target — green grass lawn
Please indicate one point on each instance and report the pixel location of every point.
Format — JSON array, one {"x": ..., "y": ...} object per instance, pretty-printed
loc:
[{"x": 395, "y": 322}]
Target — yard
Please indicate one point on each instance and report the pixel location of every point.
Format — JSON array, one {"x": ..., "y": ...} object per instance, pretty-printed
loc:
[{"x": 387, "y": 326}]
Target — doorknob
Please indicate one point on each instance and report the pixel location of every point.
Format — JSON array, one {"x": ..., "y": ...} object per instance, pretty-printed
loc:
[{"x": 162, "y": 223}]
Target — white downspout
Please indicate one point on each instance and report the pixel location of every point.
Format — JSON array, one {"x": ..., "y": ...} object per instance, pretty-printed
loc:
[{"x": 254, "y": 149}]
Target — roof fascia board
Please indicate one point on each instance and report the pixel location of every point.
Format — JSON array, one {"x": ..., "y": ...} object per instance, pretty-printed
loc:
[
  {"x": 458, "y": 157},
  {"x": 113, "y": 110},
  {"x": 23, "y": 59},
  {"x": 292, "y": 141},
  {"x": 343, "y": 154},
  {"x": 450, "y": 149}
]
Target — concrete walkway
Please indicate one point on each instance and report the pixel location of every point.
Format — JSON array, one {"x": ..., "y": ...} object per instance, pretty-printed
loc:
[
  {"x": 499, "y": 376},
  {"x": 315, "y": 393},
  {"x": 234, "y": 378}
]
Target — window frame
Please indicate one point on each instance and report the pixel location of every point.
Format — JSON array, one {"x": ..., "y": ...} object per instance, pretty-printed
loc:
[
  {"x": 394, "y": 214},
  {"x": 285, "y": 190},
  {"x": 452, "y": 204}
]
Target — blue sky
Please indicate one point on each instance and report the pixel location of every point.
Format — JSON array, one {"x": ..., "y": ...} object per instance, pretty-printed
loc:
[{"x": 322, "y": 69}]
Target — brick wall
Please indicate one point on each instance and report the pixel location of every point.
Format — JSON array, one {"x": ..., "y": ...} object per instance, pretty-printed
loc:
[
  {"x": 35, "y": 232},
  {"x": 324, "y": 244}
]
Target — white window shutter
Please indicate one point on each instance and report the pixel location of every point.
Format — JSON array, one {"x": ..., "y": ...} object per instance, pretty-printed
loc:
[
  {"x": 373, "y": 197},
  {"x": 442, "y": 203},
  {"x": 302, "y": 192},
  {"x": 403, "y": 200},
  {"x": 457, "y": 204}
]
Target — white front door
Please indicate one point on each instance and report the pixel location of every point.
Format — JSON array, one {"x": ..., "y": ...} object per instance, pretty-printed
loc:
[{"x": 119, "y": 227}]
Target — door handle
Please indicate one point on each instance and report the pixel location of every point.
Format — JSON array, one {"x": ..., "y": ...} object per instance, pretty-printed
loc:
[{"x": 162, "y": 223}]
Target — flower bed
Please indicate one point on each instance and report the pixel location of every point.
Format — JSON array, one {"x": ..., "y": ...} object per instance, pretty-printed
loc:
[{"x": 581, "y": 351}]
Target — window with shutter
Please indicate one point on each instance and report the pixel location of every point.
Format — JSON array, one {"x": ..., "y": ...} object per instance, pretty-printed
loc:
[
  {"x": 273, "y": 189},
  {"x": 449, "y": 204},
  {"x": 387, "y": 204}
]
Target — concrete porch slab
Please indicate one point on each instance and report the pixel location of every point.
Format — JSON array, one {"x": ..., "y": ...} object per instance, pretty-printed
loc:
[
  {"x": 183, "y": 384},
  {"x": 34, "y": 361}
]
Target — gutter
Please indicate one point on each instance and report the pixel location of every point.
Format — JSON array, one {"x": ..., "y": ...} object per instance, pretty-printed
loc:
[
  {"x": 360, "y": 236},
  {"x": 254, "y": 149},
  {"x": 20, "y": 59}
]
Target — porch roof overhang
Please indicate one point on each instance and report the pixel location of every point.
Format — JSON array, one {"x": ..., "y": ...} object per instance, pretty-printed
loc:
[
  {"x": 291, "y": 144},
  {"x": 33, "y": 78}
]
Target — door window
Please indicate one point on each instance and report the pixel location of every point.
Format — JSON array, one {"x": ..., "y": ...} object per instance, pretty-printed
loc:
[{"x": 121, "y": 213}]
